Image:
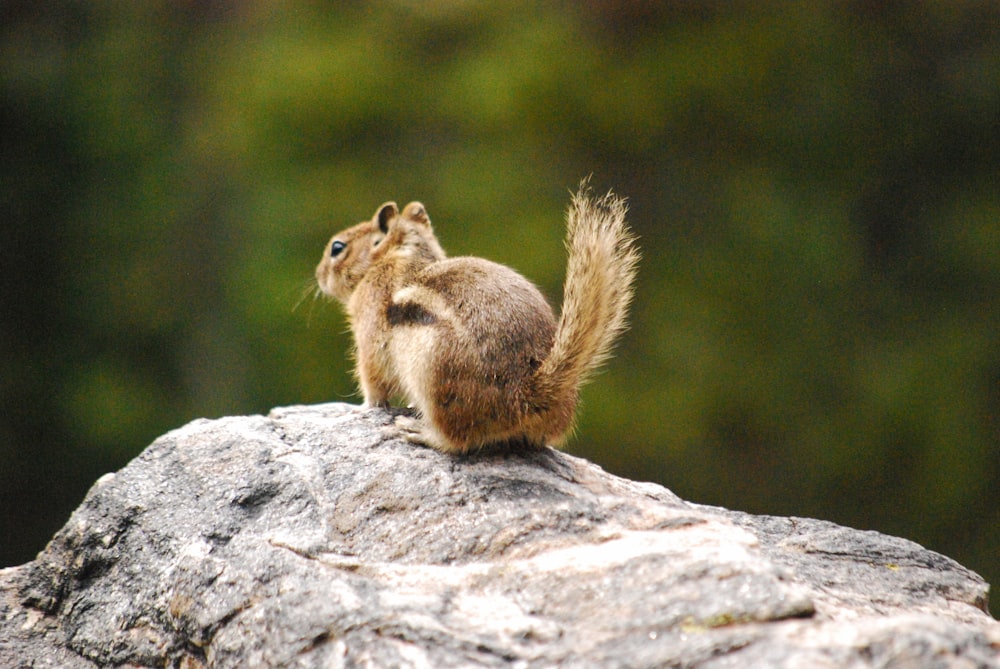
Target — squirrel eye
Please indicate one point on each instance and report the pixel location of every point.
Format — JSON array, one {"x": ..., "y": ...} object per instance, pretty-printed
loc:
[{"x": 336, "y": 248}]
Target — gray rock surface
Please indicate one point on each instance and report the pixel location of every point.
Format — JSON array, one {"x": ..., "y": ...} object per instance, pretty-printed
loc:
[{"x": 313, "y": 537}]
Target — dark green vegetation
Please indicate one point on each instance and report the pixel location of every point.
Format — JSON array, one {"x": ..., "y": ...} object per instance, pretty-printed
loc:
[{"x": 815, "y": 186}]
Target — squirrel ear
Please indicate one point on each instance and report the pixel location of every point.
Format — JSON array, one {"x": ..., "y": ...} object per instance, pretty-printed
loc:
[
  {"x": 386, "y": 213},
  {"x": 416, "y": 212}
]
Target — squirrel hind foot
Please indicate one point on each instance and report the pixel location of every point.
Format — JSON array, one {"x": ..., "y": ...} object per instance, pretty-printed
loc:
[
  {"x": 514, "y": 445},
  {"x": 417, "y": 431}
]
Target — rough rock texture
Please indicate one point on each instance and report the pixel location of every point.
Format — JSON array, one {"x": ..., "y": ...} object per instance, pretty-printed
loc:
[{"x": 314, "y": 538}]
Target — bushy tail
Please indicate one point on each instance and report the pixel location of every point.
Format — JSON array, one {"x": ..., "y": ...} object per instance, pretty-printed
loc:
[{"x": 598, "y": 291}]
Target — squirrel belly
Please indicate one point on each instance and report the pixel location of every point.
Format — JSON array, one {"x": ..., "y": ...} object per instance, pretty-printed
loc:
[{"x": 470, "y": 343}]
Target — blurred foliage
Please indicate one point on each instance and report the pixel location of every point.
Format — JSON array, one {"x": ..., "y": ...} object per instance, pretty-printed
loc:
[{"x": 814, "y": 183}]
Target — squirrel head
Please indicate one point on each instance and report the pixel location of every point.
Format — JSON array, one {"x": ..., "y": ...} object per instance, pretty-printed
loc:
[{"x": 400, "y": 242}]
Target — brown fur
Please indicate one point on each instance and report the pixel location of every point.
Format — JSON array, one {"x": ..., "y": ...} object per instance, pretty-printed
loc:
[{"x": 471, "y": 344}]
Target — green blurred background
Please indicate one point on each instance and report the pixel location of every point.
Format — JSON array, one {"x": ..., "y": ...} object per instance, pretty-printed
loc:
[{"x": 815, "y": 185}]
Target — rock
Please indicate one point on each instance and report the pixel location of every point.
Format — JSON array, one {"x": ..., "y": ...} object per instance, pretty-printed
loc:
[{"x": 313, "y": 537}]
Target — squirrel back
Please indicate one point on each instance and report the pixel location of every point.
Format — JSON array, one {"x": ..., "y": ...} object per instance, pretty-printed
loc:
[{"x": 471, "y": 344}]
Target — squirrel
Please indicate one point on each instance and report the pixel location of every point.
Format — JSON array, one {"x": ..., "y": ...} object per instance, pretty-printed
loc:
[{"x": 471, "y": 344}]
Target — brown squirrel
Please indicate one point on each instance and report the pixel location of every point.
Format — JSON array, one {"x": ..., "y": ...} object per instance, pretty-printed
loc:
[{"x": 472, "y": 344}]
